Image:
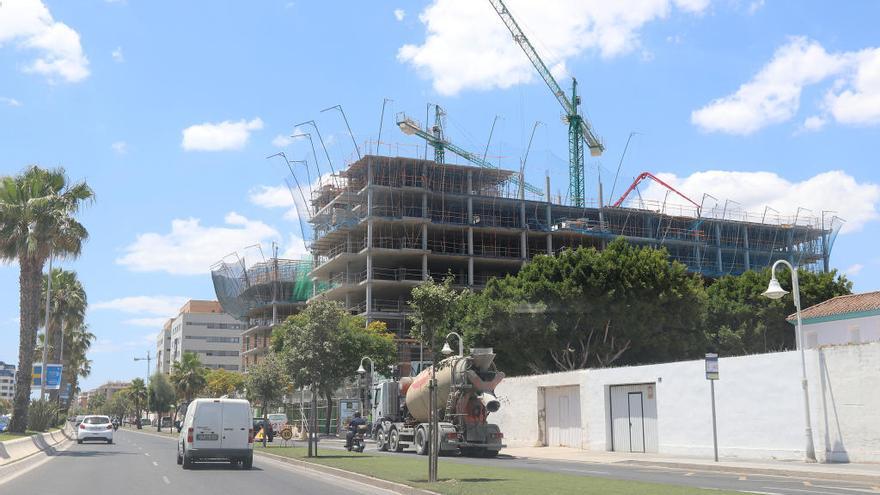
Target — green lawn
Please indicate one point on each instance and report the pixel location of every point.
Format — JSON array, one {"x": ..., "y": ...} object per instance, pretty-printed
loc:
[
  {"x": 458, "y": 478},
  {"x": 12, "y": 436}
]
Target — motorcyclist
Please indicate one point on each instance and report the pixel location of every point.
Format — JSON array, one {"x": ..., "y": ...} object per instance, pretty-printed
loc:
[{"x": 356, "y": 422}]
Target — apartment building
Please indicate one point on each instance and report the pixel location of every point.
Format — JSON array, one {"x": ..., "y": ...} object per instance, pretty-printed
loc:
[
  {"x": 163, "y": 348},
  {"x": 7, "y": 381},
  {"x": 201, "y": 327}
]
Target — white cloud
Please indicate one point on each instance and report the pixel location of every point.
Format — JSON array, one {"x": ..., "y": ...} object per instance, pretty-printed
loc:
[
  {"x": 222, "y": 136},
  {"x": 399, "y": 14},
  {"x": 166, "y": 306},
  {"x": 467, "y": 45},
  {"x": 191, "y": 248},
  {"x": 11, "y": 102},
  {"x": 29, "y": 24},
  {"x": 271, "y": 197},
  {"x": 854, "y": 269},
  {"x": 814, "y": 123},
  {"x": 120, "y": 147},
  {"x": 860, "y": 102},
  {"x": 773, "y": 95},
  {"x": 755, "y": 6},
  {"x": 295, "y": 248},
  {"x": 117, "y": 55},
  {"x": 855, "y": 202},
  {"x": 282, "y": 141}
]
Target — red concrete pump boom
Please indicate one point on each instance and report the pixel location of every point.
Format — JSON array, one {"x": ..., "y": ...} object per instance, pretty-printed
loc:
[{"x": 649, "y": 175}]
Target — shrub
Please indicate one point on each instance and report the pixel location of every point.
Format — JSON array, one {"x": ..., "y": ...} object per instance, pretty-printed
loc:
[{"x": 41, "y": 415}]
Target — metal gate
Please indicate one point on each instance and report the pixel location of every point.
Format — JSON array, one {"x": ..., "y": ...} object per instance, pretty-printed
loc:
[
  {"x": 563, "y": 409},
  {"x": 633, "y": 414}
]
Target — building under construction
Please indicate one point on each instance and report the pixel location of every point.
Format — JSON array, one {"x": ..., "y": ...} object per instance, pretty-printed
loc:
[
  {"x": 262, "y": 295},
  {"x": 385, "y": 224}
]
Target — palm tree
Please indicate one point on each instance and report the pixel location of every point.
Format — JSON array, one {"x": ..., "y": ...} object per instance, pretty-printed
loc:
[
  {"x": 77, "y": 341},
  {"x": 67, "y": 311},
  {"x": 37, "y": 209},
  {"x": 188, "y": 376},
  {"x": 138, "y": 393}
]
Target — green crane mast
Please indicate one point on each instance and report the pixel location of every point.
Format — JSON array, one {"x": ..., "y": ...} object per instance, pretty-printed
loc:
[
  {"x": 436, "y": 139},
  {"x": 580, "y": 131}
]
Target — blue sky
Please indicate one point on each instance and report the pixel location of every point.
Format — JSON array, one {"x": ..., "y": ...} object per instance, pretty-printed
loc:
[{"x": 168, "y": 109}]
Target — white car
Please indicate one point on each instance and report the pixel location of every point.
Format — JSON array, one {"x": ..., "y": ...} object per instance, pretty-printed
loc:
[
  {"x": 95, "y": 428},
  {"x": 217, "y": 429}
]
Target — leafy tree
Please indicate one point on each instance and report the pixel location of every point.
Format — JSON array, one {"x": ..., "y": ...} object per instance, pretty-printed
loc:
[
  {"x": 188, "y": 376},
  {"x": 37, "y": 210},
  {"x": 437, "y": 309},
  {"x": 5, "y": 406},
  {"x": 587, "y": 308},
  {"x": 266, "y": 382},
  {"x": 119, "y": 404},
  {"x": 161, "y": 396},
  {"x": 138, "y": 395},
  {"x": 742, "y": 321},
  {"x": 77, "y": 341},
  {"x": 221, "y": 382},
  {"x": 97, "y": 403}
]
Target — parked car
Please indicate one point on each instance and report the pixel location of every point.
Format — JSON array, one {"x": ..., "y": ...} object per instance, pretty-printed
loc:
[
  {"x": 4, "y": 423},
  {"x": 145, "y": 422},
  {"x": 95, "y": 428},
  {"x": 217, "y": 429}
]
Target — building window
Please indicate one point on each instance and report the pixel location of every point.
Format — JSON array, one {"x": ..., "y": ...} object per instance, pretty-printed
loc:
[{"x": 855, "y": 335}]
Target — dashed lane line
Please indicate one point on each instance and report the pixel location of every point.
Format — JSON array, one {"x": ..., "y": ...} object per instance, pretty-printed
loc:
[
  {"x": 155, "y": 463},
  {"x": 166, "y": 480}
]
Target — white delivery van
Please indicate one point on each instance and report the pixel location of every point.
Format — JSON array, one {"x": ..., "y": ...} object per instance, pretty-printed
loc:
[{"x": 217, "y": 429}]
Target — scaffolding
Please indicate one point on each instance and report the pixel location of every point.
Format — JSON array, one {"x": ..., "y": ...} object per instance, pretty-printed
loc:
[{"x": 243, "y": 290}]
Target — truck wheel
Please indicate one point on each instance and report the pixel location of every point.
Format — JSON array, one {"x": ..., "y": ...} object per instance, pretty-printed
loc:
[
  {"x": 489, "y": 453},
  {"x": 395, "y": 441},
  {"x": 381, "y": 441},
  {"x": 421, "y": 441}
]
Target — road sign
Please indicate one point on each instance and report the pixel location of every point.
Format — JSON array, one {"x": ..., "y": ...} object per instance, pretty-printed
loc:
[
  {"x": 53, "y": 376},
  {"x": 65, "y": 394},
  {"x": 711, "y": 366},
  {"x": 36, "y": 374}
]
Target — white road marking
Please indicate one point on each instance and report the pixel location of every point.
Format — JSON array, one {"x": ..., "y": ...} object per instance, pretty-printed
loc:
[
  {"x": 165, "y": 479},
  {"x": 860, "y": 490},
  {"x": 807, "y": 491},
  {"x": 742, "y": 478},
  {"x": 688, "y": 474},
  {"x": 155, "y": 463},
  {"x": 147, "y": 454},
  {"x": 59, "y": 448},
  {"x": 585, "y": 471}
]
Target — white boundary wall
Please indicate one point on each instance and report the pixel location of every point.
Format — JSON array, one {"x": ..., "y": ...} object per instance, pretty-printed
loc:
[{"x": 759, "y": 404}]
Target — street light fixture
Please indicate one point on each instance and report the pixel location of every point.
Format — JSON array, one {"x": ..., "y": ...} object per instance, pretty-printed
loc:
[
  {"x": 775, "y": 291},
  {"x": 448, "y": 350},
  {"x": 361, "y": 371}
]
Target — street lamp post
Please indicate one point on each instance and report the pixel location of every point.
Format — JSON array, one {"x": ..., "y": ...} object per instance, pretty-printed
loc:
[
  {"x": 448, "y": 350},
  {"x": 775, "y": 291},
  {"x": 361, "y": 372}
]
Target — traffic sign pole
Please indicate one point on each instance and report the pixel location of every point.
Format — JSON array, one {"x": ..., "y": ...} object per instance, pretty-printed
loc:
[{"x": 712, "y": 375}]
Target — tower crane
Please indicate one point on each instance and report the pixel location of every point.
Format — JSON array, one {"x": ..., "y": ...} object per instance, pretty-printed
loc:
[
  {"x": 436, "y": 139},
  {"x": 580, "y": 131}
]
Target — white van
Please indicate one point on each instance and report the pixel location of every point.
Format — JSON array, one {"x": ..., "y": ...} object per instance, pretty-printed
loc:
[{"x": 215, "y": 429}]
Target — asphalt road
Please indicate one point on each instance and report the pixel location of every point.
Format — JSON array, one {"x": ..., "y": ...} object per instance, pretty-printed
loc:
[
  {"x": 744, "y": 481},
  {"x": 141, "y": 464}
]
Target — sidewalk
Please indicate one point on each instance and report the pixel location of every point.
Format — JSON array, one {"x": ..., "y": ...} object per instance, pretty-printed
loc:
[{"x": 836, "y": 471}]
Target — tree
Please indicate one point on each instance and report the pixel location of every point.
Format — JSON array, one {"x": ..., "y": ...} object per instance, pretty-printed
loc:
[
  {"x": 742, "y": 321},
  {"x": 67, "y": 312},
  {"x": 5, "y": 407},
  {"x": 119, "y": 404},
  {"x": 96, "y": 403},
  {"x": 588, "y": 308},
  {"x": 221, "y": 382},
  {"x": 323, "y": 345},
  {"x": 137, "y": 392},
  {"x": 188, "y": 376},
  {"x": 437, "y": 309},
  {"x": 37, "y": 210},
  {"x": 266, "y": 382},
  {"x": 161, "y": 396}
]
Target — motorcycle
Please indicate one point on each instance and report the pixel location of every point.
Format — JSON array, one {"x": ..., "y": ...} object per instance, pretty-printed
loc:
[
  {"x": 115, "y": 425},
  {"x": 357, "y": 441}
]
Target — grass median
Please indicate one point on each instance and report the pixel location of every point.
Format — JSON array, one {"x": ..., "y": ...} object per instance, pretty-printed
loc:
[
  {"x": 464, "y": 479},
  {"x": 12, "y": 436}
]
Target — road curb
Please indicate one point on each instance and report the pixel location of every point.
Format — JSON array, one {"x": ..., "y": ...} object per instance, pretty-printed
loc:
[
  {"x": 341, "y": 473},
  {"x": 349, "y": 475},
  {"x": 762, "y": 471},
  {"x": 13, "y": 451}
]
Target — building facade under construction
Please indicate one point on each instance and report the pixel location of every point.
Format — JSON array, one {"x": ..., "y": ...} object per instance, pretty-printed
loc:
[{"x": 386, "y": 224}]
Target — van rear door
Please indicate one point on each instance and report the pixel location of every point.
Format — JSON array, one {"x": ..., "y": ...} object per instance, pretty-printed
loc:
[
  {"x": 236, "y": 425},
  {"x": 207, "y": 425}
]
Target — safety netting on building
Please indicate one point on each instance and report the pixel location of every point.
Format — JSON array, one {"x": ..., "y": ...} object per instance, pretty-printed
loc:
[{"x": 240, "y": 289}]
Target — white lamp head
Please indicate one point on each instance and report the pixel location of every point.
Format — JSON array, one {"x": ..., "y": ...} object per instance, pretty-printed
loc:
[
  {"x": 361, "y": 369},
  {"x": 774, "y": 290},
  {"x": 446, "y": 349}
]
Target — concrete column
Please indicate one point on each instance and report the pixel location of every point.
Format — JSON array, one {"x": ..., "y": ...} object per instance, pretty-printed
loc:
[
  {"x": 470, "y": 211},
  {"x": 471, "y": 271},
  {"x": 718, "y": 248},
  {"x": 747, "y": 253},
  {"x": 425, "y": 236},
  {"x": 549, "y": 219},
  {"x": 524, "y": 245},
  {"x": 470, "y": 240},
  {"x": 789, "y": 245},
  {"x": 470, "y": 182},
  {"x": 369, "y": 298},
  {"x": 425, "y": 213},
  {"x": 425, "y": 272}
]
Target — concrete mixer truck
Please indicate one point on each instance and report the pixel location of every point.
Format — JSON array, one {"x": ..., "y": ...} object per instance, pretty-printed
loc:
[{"x": 465, "y": 397}]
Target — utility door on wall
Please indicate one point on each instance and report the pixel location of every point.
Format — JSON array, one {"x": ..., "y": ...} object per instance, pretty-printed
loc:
[
  {"x": 563, "y": 412},
  {"x": 633, "y": 414}
]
